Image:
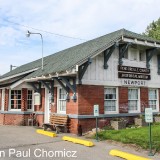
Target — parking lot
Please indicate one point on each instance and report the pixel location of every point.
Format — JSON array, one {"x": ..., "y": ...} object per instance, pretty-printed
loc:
[{"x": 24, "y": 143}]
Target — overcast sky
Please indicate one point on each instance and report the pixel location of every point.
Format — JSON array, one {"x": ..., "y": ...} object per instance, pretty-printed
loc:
[{"x": 84, "y": 19}]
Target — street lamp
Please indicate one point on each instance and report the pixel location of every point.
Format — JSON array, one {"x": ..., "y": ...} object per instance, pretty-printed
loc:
[{"x": 28, "y": 35}]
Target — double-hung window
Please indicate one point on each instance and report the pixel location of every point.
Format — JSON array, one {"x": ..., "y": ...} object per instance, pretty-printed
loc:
[
  {"x": 133, "y": 100},
  {"x": 110, "y": 100},
  {"x": 153, "y": 99},
  {"x": 15, "y": 99},
  {"x": 29, "y": 100},
  {"x": 62, "y": 101}
]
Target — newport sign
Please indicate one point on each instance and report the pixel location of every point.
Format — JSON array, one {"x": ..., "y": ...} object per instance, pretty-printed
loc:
[
  {"x": 133, "y": 76},
  {"x": 128, "y": 82}
]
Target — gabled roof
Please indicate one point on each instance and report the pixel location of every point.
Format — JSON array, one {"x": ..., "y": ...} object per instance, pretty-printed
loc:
[{"x": 68, "y": 58}]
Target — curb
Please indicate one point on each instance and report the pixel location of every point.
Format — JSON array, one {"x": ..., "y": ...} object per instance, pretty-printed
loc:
[
  {"x": 46, "y": 133},
  {"x": 126, "y": 155},
  {"x": 78, "y": 141}
]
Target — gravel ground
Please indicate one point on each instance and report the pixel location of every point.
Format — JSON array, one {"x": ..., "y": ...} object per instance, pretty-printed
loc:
[{"x": 20, "y": 142}]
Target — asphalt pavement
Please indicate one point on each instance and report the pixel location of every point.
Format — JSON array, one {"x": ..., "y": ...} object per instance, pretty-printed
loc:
[{"x": 21, "y": 142}]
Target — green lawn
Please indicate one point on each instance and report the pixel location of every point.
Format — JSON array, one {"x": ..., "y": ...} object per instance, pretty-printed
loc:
[{"x": 138, "y": 136}]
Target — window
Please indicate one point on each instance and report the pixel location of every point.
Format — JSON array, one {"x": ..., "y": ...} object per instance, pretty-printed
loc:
[
  {"x": 126, "y": 55},
  {"x": 62, "y": 101},
  {"x": 153, "y": 99},
  {"x": 133, "y": 100},
  {"x": 30, "y": 100},
  {"x": 133, "y": 54},
  {"x": 110, "y": 100},
  {"x": 142, "y": 56},
  {"x": 2, "y": 99},
  {"x": 15, "y": 99}
]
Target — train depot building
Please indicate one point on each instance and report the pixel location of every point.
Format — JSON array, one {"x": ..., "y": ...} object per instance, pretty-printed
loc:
[{"x": 119, "y": 71}]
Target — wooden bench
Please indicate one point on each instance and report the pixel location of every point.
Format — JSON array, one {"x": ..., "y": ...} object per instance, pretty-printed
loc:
[{"x": 57, "y": 122}]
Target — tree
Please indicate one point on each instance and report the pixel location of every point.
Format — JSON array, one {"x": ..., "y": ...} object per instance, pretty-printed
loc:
[{"x": 153, "y": 30}]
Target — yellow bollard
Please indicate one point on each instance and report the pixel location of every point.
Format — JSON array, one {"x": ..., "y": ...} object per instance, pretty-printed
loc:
[
  {"x": 126, "y": 155},
  {"x": 46, "y": 133},
  {"x": 79, "y": 141}
]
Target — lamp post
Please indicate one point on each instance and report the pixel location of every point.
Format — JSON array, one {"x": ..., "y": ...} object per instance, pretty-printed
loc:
[{"x": 28, "y": 35}]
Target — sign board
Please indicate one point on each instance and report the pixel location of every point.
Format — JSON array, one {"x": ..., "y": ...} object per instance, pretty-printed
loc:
[
  {"x": 148, "y": 115},
  {"x": 133, "y": 69},
  {"x": 96, "y": 110},
  {"x": 136, "y": 83},
  {"x": 37, "y": 99},
  {"x": 134, "y": 76}
]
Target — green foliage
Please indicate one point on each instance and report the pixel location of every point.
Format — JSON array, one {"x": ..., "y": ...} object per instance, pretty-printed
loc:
[
  {"x": 107, "y": 128},
  {"x": 138, "y": 136},
  {"x": 153, "y": 30}
]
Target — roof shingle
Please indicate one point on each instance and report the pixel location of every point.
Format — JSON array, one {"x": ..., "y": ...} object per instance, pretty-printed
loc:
[{"x": 68, "y": 58}]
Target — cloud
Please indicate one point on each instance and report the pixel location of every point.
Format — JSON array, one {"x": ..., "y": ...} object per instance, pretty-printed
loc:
[{"x": 80, "y": 18}]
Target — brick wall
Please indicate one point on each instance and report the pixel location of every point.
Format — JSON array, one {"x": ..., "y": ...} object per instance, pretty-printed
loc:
[
  {"x": 143, "y": 98},
  {"x": 1, "y": 119},
  {"x": 40, "y": 120},
  {"x": 6, "y": 104},
  {"x": 73, "y": 126},
  {"x": 24, "y": 100},
  {"x": 71, "y": 106},
  {"x": 88, "y": 96},
  {"x": 13, "y": 119},
  {"x": 41, "y": 107},
  {"x": 89, "y": 124},
  {"x": 54, "y": 105},
  {"x": 123, "y": 99}
]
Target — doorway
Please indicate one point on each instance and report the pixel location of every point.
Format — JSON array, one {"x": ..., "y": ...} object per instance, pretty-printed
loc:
[{"x": 47, "y": 106}]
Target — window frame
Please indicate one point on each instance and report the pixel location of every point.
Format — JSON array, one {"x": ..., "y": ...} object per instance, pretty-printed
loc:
[
  {"x": 32, "y": 109},
  {"x": 2, "y": 100},
  {"x": 133, "y": 53},
  {"x": 157, "y": 100},
  {"x": 138, "y": 103},
  {"x": 11, "y": 99},
  {"x": 117, "y": 100},
  {"x": 140, "y": 55},
  {"x": 58, "y": 102}
]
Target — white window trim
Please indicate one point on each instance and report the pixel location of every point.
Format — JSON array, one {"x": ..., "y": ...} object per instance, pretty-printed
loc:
[
  {"x": 58, "y": 107},
  {"x": 157, "y": 101},
  {"x": 2, "y": 99},
  {"x": 139, "y": 104},
  {"x": 10, "y": 100},
  {"x": 32, "y": 100},
  {"x": 117, "y": 101},
  {"x": 130, "y": 52}
]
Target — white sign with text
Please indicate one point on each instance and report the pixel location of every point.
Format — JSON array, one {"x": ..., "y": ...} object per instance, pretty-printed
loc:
[
  {"x": 96, "y": 110},
  {"x": 130, "y": 82},
  {"x": 148, "y": 115}
]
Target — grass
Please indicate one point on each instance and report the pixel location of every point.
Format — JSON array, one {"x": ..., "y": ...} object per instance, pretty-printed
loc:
[{"x": 138, "y": 136}]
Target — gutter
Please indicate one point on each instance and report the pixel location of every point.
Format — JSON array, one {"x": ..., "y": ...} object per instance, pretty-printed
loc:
[{"x": 16, "y": 75}]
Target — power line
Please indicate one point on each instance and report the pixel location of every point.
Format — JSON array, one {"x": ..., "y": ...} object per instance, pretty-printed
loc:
[{"x": 61, "y": 35}]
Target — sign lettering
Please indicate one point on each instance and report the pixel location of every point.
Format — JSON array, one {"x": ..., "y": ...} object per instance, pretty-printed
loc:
[
  {"x": 96, "y": 110},
  {"x": 128, "y": 82},
  {"x": 133, "y": 69},
  {"x": 133, "y": 76},
  {"x": 148, "y": 115}
]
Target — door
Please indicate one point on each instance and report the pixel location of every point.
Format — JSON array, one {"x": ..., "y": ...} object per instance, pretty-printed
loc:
[
  {"x": 61, "y": 101},
  {"x": 47, "y": 106}
]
